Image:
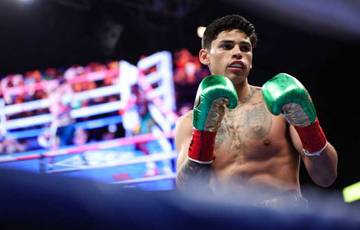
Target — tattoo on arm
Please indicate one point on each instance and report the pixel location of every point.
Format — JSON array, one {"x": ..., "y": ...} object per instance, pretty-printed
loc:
[{"x": 192, "y": 175}]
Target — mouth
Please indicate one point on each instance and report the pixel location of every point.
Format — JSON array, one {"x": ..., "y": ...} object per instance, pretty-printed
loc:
[{"x": 237, "y": 66}]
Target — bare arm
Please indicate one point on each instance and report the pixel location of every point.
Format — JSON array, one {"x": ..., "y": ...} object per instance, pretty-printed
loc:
[
  {"x": 187, "y": 171},
  {"x": 322, "y": 169},
  {"x": 196, "y": 145},
  {"x": 286, "y": 95}
]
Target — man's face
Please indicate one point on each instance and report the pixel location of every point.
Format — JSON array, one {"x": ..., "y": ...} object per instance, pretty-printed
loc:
[{"x": 230, "y": 55}]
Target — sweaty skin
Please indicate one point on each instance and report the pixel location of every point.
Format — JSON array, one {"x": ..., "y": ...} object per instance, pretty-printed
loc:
[
  {"x": 255, "y": 151},
  {"x": 252, "y": 150}
]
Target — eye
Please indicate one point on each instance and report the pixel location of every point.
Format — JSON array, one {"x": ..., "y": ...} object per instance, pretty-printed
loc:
[
  {"x": 245, "y": 48},
  {"x": 226, "y": 46}
]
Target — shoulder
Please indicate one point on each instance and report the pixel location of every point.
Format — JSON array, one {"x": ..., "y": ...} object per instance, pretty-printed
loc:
[
  {"x": 186, "y": 116},
  {"x": 184, "y": 127},
  {"x": 256, "y": 90},
  {"x": 183, "y": 131},
  {"x": 184, "y": 121},
  {"x": 256, "y": 95}
]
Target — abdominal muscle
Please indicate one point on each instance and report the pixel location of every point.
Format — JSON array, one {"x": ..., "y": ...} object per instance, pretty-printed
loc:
[
  {"x": 264, "y": 179},
  {"x": 253, "y": 155}
]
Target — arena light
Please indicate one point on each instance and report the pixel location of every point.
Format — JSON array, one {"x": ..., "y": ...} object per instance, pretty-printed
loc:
[
  {"x": 200, "y": 31},
  {"x": 351, "y": 193},
  {"x": 25, "y": 1},
  {"x": 311, "y": 15}
]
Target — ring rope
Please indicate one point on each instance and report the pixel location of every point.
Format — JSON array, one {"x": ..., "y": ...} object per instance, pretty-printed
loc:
[
  {"x": 138, "y": 160},
  {"x": 147, "y": 179},
  {"x": 88, "y": 147}
]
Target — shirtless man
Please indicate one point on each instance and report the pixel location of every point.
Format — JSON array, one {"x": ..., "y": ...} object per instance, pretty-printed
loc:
[{"x": 245, "y": 137}]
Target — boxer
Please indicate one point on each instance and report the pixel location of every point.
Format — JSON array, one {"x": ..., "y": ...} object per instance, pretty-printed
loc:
[{"x": 244, "y": 137}]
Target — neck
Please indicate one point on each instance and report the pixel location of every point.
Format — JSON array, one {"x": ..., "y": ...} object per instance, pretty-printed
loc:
[{"x": 244, "y": 91}]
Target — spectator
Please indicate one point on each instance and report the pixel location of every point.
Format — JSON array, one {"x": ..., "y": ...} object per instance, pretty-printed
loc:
[
  {"x": 61, "y": 129},
  {"x": 187, "y": 75}
]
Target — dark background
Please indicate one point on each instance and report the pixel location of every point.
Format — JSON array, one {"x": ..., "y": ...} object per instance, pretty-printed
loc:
[{"x": 321, "y": 52}]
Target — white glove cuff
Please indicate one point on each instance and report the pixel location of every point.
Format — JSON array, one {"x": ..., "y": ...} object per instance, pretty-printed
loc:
[
  {"x": 317, "y": 153},
  {"x": 201, "y": 162}
]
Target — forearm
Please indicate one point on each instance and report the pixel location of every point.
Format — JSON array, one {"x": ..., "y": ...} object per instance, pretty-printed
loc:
[
  {"x": 323, "y": 168},
  {"x": 196, "y": 166},
  {"x": 215, "y": 93},
  {"x": 192, "y": 174}
]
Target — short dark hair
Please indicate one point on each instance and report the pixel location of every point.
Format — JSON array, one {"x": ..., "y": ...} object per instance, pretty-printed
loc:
[{"x": 227, "y": 23}]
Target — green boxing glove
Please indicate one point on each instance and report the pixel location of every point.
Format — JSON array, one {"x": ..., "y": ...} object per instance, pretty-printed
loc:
[
  {"x": 214, "y": 94},
  {"x": 284, "y": 94}
]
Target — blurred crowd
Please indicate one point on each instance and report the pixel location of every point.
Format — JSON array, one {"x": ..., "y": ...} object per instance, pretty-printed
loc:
[
  {"x": 188, "y": 72},
  {"x": 58, "y": 86}
]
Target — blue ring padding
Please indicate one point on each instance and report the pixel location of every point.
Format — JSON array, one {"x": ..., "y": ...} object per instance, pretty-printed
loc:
[{"x": 44, "y": 202}]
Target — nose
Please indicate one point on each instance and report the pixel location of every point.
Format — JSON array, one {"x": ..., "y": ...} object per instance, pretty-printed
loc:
[{"x": 237, "y": 52}]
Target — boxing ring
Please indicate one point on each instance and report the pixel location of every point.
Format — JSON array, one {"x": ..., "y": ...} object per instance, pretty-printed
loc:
[
  {"x": 114, "y": 161},
  {"x": 95, "y": 184}
]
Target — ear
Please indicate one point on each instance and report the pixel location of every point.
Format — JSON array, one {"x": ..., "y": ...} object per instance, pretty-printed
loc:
[{"x": 204, "y": 57}]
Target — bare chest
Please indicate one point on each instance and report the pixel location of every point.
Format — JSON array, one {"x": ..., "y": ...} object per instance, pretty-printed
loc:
[{"x": 248, "y": 132}]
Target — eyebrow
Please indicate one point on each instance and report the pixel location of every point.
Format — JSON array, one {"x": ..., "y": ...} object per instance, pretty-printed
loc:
[{"x": 232, "y": 41}]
